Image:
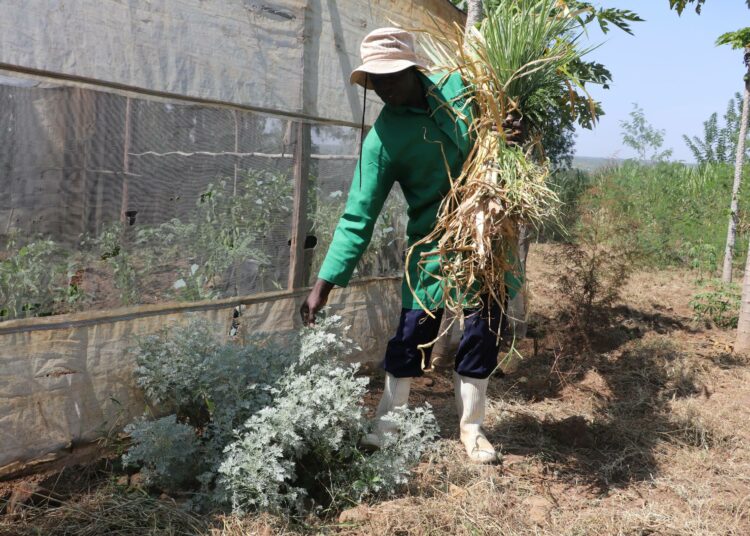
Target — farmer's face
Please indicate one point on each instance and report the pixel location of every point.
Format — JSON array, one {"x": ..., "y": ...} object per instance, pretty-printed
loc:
[{"x": 396, "y": 88}]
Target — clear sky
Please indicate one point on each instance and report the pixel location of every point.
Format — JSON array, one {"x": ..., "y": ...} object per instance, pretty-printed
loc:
[{"x": 671, "y": 68}]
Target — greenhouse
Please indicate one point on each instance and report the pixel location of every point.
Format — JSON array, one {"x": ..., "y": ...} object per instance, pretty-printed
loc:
[{"x": 163, "y": 161}]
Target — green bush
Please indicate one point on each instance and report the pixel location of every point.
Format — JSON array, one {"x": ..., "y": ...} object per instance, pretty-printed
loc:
[
  {"x": 164, "y": 450},
  {"x": 35, "y": 280},
  {"x": 227, "y": 228},
  {"x": 385, "y": 253},
  {"x": 719, "y": 303},
  {"x": 602, "y": 253},
  {"x": 232, "y": 223},
  {"x": 113, "y": 247},
  {"x": 679, "y": 213},
  {"x": 276, "y": 421}
]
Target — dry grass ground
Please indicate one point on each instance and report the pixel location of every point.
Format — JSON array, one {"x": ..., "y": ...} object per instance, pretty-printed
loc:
[{"x": 641, "y": 425}]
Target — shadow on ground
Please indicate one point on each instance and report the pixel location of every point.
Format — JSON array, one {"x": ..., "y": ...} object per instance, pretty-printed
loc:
[{"x": 631, "y": 378}]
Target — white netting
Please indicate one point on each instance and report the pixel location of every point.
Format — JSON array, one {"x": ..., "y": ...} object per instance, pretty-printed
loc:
[{"x": 113, "y": 200}]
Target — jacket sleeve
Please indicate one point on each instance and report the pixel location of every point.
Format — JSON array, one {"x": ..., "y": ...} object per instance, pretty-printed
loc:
[{"x": 363, "y": 206}]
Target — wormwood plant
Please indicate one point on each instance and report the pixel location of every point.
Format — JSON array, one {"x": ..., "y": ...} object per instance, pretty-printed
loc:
[
  {"x": 272, "y": 425},
  {"x": 164, "y": 449}
]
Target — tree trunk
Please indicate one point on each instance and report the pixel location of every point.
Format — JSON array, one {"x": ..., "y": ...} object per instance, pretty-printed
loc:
[
  {"x": 517, "y": 306},
  {"x": 742, "y": 344},
  {"x": 474, "y": 13},
  {"x": 726, "y": 273}
]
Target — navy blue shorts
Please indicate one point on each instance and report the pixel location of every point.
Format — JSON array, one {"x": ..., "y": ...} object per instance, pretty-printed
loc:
[{"x": 477, "y": 351}]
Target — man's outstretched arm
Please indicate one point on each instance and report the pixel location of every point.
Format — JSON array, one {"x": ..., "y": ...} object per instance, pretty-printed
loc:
[{"x": 315, "y": 301}]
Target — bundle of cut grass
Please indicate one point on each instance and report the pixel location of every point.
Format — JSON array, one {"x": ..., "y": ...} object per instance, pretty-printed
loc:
[{"x": 518, "y": 63}]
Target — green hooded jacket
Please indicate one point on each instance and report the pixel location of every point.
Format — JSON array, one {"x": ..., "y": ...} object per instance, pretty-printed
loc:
[{"x": 415, "y": 148}]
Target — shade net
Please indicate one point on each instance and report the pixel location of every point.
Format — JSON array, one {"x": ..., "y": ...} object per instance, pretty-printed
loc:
[{"x": 109, "y": 200}]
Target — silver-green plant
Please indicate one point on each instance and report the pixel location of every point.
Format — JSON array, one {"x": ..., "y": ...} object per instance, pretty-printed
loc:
[
  {"x": 164, "y": 449},
  {"x": 277, "y": 422},
  {"x": 317, "y": 413}
]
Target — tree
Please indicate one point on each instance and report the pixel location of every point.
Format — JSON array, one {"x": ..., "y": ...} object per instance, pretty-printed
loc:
[
  {"x": 719, "y": 143},
  {"x": 647, "y": 141},
  {"x": 739, "y": 40},
  {"x": 680, "y": 5},
  {"x": 558, "y": 132}
]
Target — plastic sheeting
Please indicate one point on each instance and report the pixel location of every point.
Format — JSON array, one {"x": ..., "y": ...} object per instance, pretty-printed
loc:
[
  {"x": 288, "y": 56},
  {"x": 67, "y": 380}
]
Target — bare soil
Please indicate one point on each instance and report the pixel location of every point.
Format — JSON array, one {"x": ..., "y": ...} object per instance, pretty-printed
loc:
[{"x": 638, "y": 423}]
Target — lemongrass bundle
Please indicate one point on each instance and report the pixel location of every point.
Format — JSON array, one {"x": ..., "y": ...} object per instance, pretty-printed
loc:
[{"x": 520, "y": 56}]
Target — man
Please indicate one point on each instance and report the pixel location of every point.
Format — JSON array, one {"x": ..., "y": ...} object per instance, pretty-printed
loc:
[{"x": 420, "y": 136}]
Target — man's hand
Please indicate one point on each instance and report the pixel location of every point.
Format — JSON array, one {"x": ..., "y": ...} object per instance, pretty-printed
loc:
[
  {"x": 515, "y": 129},
  {"x": 315, "y": 301}
]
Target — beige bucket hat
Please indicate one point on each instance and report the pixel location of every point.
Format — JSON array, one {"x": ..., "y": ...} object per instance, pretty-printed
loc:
[{"x": 383, "y": 51}]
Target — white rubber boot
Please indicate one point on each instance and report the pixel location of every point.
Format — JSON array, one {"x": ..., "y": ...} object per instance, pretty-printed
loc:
[
  {"x": 470, "y": 402},
  {"x": 395, "y": 394}
]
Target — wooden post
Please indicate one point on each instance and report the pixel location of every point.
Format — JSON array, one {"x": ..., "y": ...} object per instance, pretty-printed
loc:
[
  {"x": 301, "y": 174},
  {"x": 236, "y": 150},
  {"x": 125, "y": 163}
]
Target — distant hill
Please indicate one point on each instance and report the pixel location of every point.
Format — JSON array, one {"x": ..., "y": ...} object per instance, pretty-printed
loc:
[{"x": 591, "y": 163}]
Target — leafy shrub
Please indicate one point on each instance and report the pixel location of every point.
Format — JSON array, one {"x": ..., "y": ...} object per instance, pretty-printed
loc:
[
  {"x": 233, "y": 223},
  {"x": 719, "y": 302},
  {"x": 681, "y": 212},
  {"x": 113, "y": 246},
  {"x": 34, "y": 280},
  {"x": 227, "y": 228},
  {"x": 597, "y": 264},
  {"x": 387, "y": 246},
  {"x": 164, "y": 449},
  {"x": 276, "y": 421},
  {"x": 701, "y": 257},
  {"x": 314, "y": 414}
]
